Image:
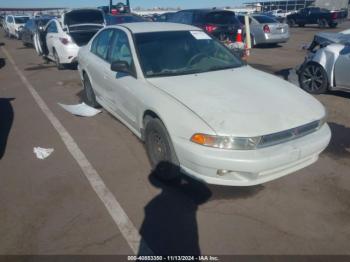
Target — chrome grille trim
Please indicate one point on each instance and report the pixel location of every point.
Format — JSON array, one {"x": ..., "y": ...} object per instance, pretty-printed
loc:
[{"x": 288, "y": 135}]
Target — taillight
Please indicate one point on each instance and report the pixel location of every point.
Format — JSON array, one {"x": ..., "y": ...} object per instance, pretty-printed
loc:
[
  {"x": 266, "y": 29},
  {"x": 334, "y": 15},
  {"x": 64, "y": 41},
  {"x": 210, "y": 28}
]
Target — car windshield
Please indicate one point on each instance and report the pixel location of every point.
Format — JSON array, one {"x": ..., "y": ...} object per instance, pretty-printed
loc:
[
  {"x": 114, "y": 20},
  {"x": 182, "y": 52},
  {"x": 21, "y": 20},
  {"x": 221, "y": 18},
  {"x": 263, "y": 19}
]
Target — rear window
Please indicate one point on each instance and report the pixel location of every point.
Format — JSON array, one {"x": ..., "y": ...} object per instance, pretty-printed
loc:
[
  {"x": 84, "y": 17},
  {"x": 21, "y": 20},
  {"x": 221, "y": 18},
  {"x": 262, "y": 19}
]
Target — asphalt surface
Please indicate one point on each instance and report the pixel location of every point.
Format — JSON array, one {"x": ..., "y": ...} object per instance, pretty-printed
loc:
[{"x": 49, "y": 207}]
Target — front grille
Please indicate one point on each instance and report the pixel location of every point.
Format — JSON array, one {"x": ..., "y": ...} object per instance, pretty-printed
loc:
[{"x": 291, "y": 134}]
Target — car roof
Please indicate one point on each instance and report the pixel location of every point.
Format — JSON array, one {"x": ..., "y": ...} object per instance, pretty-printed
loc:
[
  {"x": 149, "y": 27},
  {"x": 208, "y": 10}
]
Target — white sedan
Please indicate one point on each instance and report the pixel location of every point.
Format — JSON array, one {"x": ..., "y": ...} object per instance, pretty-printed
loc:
[{"x": 198, "y": 108}]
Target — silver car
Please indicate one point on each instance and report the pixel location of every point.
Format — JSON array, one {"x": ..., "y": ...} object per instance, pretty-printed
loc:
[
  {"x": 326, "y": 66},
  {"x": 266, "y": 30}
]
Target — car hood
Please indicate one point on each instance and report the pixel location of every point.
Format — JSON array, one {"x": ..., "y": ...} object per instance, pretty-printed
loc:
[{"x": 243, "y": 102}]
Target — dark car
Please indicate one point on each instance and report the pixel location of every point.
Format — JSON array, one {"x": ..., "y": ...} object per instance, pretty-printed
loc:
[
  {"x": 316, "y": 15},
  {"x": 123, "y": 18},
  {"x": 31, "y": 27},
  {"x": 163, "y": 17},
  {"x": 221, "y": 24}
]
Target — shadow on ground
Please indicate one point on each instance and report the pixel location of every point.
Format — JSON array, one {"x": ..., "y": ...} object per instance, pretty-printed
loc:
[
  {"x": 170, "y": 224},
  {"x": 2, "y": 62},
  {"x": 6, "y": 120},
  {"x": 39, "y": 67},
  {"x": 339, "y": 146}
]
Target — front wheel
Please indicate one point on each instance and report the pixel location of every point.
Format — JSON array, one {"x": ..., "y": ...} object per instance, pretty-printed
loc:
[
  {"x": 291, "y": 22},
  {"x": 322, "y": 23},
  {"x": 160, "y": 150},
  {"x": 313, "y": 79}
]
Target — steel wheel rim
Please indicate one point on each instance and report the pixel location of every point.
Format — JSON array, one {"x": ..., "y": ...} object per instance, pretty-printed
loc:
[
  {"x": 312, "y": 78},
  {"x": 158, "y": 148}
]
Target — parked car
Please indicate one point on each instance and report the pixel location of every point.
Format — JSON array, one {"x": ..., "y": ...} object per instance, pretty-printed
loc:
[
  {"x": 31, "y": 27},
  {"x": 14, "y": 25},
  {"x": 278, "y": 18},
  {"x": 198, "y": 108},
  {"x": 327, "y": 64},
  {"x": 123, "y": 18},
  {"x": 266, "y": 30},
  {"x": 316, "y": 15},
  {"x": 221, "y": 24},
  {"x": 2, "y": 20},
  {"x": 62, "y": 37}
]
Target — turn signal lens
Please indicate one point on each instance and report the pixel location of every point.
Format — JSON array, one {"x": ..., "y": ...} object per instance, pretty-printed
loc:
[{"x": 226, "y": 142}]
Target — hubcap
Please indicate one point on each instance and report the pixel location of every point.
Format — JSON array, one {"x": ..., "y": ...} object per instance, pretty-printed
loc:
[
  {"x": 158, "y": 148},
  {"x": 312, "y": 78}
]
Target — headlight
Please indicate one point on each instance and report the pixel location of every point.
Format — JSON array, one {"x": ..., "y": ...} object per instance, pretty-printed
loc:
[{"x": 226, "y": 142}]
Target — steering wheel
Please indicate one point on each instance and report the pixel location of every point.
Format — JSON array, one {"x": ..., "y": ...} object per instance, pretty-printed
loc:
[{"x": 196, "y": 57}]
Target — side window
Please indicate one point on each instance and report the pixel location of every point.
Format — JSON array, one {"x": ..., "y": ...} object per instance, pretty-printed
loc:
[
  {"x": 52, "y": 28},
  {"x": 182, "y": 18},
  {"x": 10, "y": 19},
  {"x": 120, "y": 48},
  {"x": 100, "y": 45}
]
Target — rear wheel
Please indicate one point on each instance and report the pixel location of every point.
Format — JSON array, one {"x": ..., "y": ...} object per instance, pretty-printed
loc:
[
  {"x": 160, "y": 150},
  {"x": 89, "y": 97},
  {"x": 291, "y": 22},
  {"x": 333, "y": 25},
  {"x": 301, "y": 25},
  {"x": 322, "y": 23},
  {"x": 313, "y": 79},
  {"x": 57, "y": 61}
]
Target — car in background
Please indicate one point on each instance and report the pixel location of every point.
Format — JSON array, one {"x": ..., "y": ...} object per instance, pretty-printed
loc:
[
  {"x": 278, "y": 18},
  {"x": 62, "y": 37},
  {"x": 221, "y": 24},
  {"x": 2, "y": 19},
  {"x": 165, "y": 17},
  {"x": 266, "y": 30},
  {"x": 14, "y": 25},
  {"x": 32, "y": 26},
  {"x": 199, "y": 108},
  {"x": 123, "y": 18},
  {"x": 326, "y": 66},
  {"x": 316, "y": 15}
]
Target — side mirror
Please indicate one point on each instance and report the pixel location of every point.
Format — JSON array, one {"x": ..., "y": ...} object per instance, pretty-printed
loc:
[{"x": 121, "y": 67}]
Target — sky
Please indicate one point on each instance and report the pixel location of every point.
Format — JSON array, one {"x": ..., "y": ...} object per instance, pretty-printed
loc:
[{"x": 134, "y": 3}]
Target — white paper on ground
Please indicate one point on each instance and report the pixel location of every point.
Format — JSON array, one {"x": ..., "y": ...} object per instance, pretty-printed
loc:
[
  {"x": 42, "y": 153},
  {"x": 81, "y": 110},
  {"x": 199, "y": 35}
]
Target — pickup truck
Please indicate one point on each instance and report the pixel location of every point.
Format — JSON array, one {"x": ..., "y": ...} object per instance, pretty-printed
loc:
[{"x": 316, "y": 15}]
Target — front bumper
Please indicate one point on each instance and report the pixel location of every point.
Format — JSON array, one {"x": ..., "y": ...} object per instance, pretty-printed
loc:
[{"x": 251, "y": 167}]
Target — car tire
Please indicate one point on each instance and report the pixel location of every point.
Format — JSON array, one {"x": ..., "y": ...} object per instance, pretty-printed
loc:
[
  {"x": 322, "y": 23},
  {"x": 313, "y": 78},
  {"x": 160, "y": 151},
  {"x": 57, "y": 61},
  {"x": 301, "y": 25},
  {"x": 291, "y": 22},
  {"x": 334, "y": 25},
  {"x": 89, "y": 96}
]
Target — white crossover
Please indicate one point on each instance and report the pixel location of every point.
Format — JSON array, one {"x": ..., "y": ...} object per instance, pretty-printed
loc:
[
  {"x": 198, "y": 108},
  {"x": 62, "y": 37}
]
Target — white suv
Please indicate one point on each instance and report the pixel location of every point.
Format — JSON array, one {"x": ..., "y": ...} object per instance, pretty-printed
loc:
[
  {"x": 14, "y": 24},
  {"x": 62, "y": 37}
]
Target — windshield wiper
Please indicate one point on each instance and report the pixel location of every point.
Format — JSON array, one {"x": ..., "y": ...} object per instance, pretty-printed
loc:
[
  {"x": 217, "y": 68},
  {"x": 176, "y": 73}
]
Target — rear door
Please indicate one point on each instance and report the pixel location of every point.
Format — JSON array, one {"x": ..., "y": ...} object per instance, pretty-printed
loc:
[
  {"x": 342, "y": 65},
  {"x": 98, "y": 65}
]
